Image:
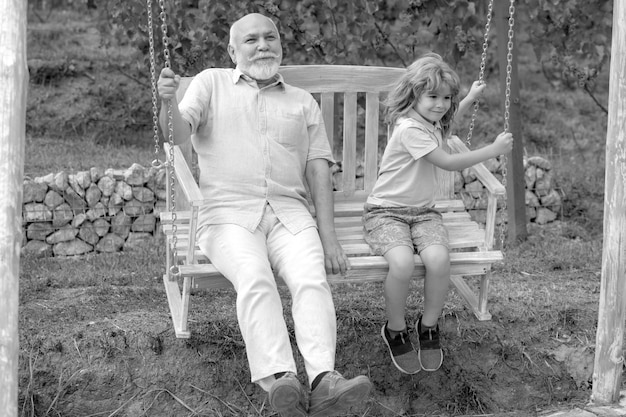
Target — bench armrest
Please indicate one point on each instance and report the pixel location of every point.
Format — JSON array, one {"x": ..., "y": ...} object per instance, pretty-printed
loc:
[
  {"x": 494, "y": 189},
  {"x": 483, "y": 175},
  {"x": 186, "y": 181}
]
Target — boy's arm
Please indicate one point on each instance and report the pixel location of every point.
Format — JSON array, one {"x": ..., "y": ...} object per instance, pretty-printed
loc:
[
  {"x": 476, "y": 91},
  {"x": 459, "y": 161}
]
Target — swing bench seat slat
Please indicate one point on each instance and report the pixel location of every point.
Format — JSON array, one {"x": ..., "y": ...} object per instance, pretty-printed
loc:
[{"x": 349, "y": 97}]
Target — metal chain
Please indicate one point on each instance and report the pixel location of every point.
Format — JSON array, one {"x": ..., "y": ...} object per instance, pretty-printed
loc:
[
  {"x": 174, "y": 270},
  {"x": 507, "y": 105},
  {"x": 481, "y": 74},
  {"x": 156, "y": 163}
]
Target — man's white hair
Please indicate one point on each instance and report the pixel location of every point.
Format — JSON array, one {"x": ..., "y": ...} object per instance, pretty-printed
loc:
[{"x": 233, "y": 27}]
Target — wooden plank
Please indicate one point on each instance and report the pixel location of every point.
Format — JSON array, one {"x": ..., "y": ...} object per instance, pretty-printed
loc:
[
  {"x": 370, "y": 155},
  {"x": 349, "y": 144},
  {"x": 354, "y": 228},
  {"x": 185, "y": 178},
  {"x": 480, "y": 261},
  {"x": 368, "y": 269},
  {"x": 351, "y": 216},
  {"x": 483, "y": 175},
  {"x": 351, "y": 248},
  {"x": 344, "y": 78},
  {"x": 346, "y": 207},
  {"x": 470, "y": 298},
  {"x": 178, "y": 309},
  {"x": 327, "y": 105}
]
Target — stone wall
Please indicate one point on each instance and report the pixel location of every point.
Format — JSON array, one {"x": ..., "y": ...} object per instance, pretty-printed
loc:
[
  {"x": 543, "y": 199},
  {"x": 96, "y": 210},
  {"x": 113, "y": 210}
]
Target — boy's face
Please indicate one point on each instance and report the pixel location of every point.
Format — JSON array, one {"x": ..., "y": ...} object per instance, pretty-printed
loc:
[{"x": 433, "y": 105}]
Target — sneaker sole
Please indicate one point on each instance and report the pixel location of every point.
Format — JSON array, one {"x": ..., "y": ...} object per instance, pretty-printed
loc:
[
  {"x": 382, "y": 334},
  {"x": 430, "y": 369},
  {"x": 344, "y": 400},
  {"x": 286, "y": 399}
]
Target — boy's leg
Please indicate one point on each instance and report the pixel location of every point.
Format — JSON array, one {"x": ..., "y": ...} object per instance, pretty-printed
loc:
[
  {"x": 431, "y": 240},
  {"x": 395, "y": 332},
  {"x": 436, "y": 284},
  {"x": 401, "y": 265},
  {"x": 387, "y": 232},
  {"x": 436, "y": 260}
]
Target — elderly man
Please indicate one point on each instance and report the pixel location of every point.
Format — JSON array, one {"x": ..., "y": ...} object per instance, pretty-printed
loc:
[{"x": 258, "y": 141}]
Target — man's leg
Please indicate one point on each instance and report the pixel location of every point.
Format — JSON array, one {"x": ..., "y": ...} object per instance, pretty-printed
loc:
[
  {"x": 299, "y": 260},
  {"x": 242, "y": 257}
]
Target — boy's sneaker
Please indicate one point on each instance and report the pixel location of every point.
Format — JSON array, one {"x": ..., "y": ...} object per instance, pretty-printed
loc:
[
  {"x": 401, "y": 350},
  {"x": 287, "y": 396},
  {"x": 430, "y": 353},
  {"x": 335, "y": 395}
]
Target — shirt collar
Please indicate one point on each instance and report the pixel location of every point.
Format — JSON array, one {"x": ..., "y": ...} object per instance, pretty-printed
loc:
[
  {"x": 237, "y": 75},
  {"x": 432, "y": 127}
]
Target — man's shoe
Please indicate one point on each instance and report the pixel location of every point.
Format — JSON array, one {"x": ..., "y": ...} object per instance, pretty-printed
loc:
[
  {"x": 335, "y": 394},
  {"x": 430, "y": 353},
  {"x": 401, "y": 350},
  {"x": 287, "y": 396}
]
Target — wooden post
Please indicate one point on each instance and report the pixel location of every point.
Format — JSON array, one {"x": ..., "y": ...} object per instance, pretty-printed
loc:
[
  {"x": 13, "y": 79},
  {"x": 515, "y": 185},
  {"x": 609, "y": 358}
]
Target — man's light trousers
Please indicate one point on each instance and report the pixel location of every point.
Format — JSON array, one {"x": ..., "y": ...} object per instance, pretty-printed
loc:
[{"x": 247, "y": 260}]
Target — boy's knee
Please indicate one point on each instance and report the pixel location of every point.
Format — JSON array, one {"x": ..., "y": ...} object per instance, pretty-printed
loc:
[
  {"x": 436, "y": 258},
  {"x": 401, "y": 264}
]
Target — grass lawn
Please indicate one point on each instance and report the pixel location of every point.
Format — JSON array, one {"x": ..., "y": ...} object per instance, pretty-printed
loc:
[{"x": 96, "y": 339}]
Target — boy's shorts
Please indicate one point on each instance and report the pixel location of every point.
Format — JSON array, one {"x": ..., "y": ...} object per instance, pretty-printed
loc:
[{"x": 417, "y": 228}]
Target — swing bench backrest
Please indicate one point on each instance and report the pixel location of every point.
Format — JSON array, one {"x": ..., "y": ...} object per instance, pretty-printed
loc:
[{"x": 350, "y": 100}]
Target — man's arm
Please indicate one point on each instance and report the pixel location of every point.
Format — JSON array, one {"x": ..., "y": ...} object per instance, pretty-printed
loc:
[
  {"x": 318, "y": 177},
  {"x": 167, "y": 86}
]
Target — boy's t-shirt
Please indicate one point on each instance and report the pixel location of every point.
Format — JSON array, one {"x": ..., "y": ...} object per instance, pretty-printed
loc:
[{"x": 406, "y": 178}]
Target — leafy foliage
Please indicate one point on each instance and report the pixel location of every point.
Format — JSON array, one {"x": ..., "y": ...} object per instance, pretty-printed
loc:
[
  {"x": 376, "y": 32},
  {"x": 572, "y": 37}
]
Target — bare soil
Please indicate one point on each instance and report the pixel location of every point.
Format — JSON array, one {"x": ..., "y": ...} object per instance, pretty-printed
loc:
[{"x": 107, "y": 346}]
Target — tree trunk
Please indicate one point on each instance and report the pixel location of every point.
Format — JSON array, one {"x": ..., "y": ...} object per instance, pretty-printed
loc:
[
  {"x": 609, "y": 358},
  {"x": 13, "y": 79},
  {"x": 515, "y": 185}
]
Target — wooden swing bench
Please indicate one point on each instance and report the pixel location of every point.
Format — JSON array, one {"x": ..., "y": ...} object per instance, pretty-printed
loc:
[{"x": 355, "y": 92}]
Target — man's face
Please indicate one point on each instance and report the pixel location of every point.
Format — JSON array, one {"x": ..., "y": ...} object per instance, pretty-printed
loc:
[{"x": 255, "y": 47}]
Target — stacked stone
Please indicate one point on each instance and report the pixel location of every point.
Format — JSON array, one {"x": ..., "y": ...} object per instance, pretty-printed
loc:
[
  {"x": 543, "y": 201},
  {"x": 96, "y": 210}
]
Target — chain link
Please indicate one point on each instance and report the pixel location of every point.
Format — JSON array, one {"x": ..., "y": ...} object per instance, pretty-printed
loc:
[
  {"x": 481, "y": 73},
  {"x": 174, "y": 270},
  {"x": 166, "y": 41},
  {"x": 156, "y": 163},
  {"x": 507, "y": 105}
]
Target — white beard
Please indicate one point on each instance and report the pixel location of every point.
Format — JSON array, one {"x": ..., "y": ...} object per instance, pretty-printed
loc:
[
  {"x": 259, "y": 69},
  {"x": 262, "y": 70}
]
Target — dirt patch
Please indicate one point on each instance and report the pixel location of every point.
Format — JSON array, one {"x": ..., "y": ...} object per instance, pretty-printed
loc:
[{"x": 110, "y": 349}]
